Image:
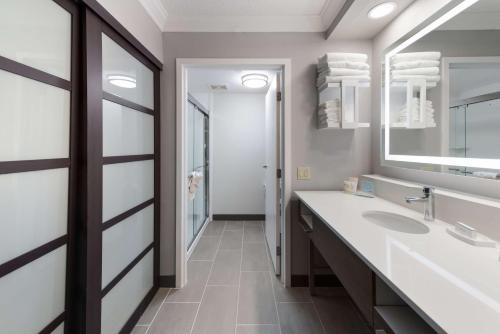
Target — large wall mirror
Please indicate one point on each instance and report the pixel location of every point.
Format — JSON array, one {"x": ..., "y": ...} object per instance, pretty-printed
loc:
[{"x": 442, "y": 93}]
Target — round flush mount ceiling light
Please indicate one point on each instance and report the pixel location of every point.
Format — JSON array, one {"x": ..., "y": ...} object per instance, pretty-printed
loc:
[
  {"x": 381, "y": 10},
  {"x": 254, "y": 80},
  {"x": 123, "y": 81}
]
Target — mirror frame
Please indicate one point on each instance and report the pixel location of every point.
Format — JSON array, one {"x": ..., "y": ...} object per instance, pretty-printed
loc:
[{"x": 446, "y": 13}]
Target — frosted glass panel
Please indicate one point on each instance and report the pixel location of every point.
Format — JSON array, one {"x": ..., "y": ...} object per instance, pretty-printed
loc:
[
  {"x": 126, "y": 185},
  {"x": 34, "y": 119},
  {"x": 59, "y": 329},
  {"x": 118, "y": 62},
  {"x": 37, "y": 34},
  {"x": 126, "y": 131},
  {"x": 33, "y": 210},
  {"x": 119, "y": 304},
  {"x": 33, "y": 295},
  {"x": 122, "y": 242}
]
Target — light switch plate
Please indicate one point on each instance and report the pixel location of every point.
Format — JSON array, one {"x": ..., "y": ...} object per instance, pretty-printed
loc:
[{"x": 303, "y": 173}]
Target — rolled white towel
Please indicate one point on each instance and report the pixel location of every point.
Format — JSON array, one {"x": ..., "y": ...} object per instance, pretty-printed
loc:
[
  {"x": 343, "y": 56},
  {"x": 331, "y": 103},
  {"x": 193, "y": 184},
  {"x": 412, "y": 56},
  {"x": 486, "y": 175},
  {"x": 430, "y": 78},
  {"x": 355, "y": 65},
  {"x": 329, "y": 112},
  {"x": 335, "y": 79},
  {"x": 404, "y": 65},
  {"x": 417, "y": 71},
  {"x": 343, "y": 71}
]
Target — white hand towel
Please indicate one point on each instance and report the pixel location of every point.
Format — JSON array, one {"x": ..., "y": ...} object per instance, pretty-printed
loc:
[
  {"x": 355, "y": 65},
  {"x": 430, "y": 78},
  {"x": 417, "y": 71},
  {"x": 193, "y": 183},
  {"x": 342, "y": 71},
  {"x": 343, "y": 56},
  {"x": 404, "y": 65},
  {"x": 412, "y": 56},
  {"x": 335, "y": 79}
]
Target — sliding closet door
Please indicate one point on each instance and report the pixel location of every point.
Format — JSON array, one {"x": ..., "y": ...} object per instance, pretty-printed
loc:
[
  {"x": 38, "y": 163},
  {"x": 122, "y": 178}
]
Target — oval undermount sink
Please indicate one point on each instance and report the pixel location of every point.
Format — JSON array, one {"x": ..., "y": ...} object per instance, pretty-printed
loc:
[{"x": 396, "y": 222}]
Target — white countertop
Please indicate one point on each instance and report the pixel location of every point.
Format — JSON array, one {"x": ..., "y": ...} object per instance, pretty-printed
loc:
[{"x": 455, "y": 284}]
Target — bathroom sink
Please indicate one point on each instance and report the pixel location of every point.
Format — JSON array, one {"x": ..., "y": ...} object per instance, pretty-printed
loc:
[{"x": 396, "y": 222}]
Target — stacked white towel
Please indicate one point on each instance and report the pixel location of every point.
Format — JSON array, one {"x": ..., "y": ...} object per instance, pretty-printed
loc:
[
  {"x": 413, "y": 112},
  {"x": 416, "y": 65},
  {"x": 329, "y": 113},
  {"x": 335, "y": 67}
]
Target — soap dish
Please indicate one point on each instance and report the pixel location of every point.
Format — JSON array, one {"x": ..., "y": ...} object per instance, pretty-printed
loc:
[{"x": 470, "y": 235}]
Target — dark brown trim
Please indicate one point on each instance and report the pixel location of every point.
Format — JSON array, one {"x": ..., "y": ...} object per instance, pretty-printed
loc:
[
  {"x": 7, "y": 167},
  {"x": 91, "y": 233},
  {"x": 324, "y": 280},
  {"x": 34, "y": 254},
  {"x": 54, "y": 324},
  {"x": 167, "y": 281},
  {"x": 238, "y": 217},
  {"x": 126, "y": 158},
  {"x": 121, "y": 30},
  {"x": 12, "y": 66},
  {"x": 126, "y": 103},
  {"x": 126, "y": 270},
  {"x": 134, "y": 318},
  {"x": 157, "y": 176},
  {"x": 126, "y": 214}
]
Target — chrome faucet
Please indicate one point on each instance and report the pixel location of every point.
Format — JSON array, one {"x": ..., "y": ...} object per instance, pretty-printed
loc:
[{"x": 428, "y": 200}]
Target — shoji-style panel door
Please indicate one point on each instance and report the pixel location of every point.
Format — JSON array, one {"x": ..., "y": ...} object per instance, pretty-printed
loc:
[
  {"x": 38, "y": 163},
  {"x": 122, "y": 146}
]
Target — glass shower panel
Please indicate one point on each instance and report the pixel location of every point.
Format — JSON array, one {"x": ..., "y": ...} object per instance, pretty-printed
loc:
[
  {"x": 457, "y": 132},
  {"x": 482, "y": 135},
  {"x": 199, "y": 163},
  {"x": 190, "y": 164}
]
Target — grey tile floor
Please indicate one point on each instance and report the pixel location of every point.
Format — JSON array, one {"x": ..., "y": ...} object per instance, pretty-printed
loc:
[{"x": 232, "y": 289}]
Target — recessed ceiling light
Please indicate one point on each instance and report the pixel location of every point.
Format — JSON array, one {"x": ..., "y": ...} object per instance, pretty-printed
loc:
[
  {"x": 254, "y": 80},
  {"x": 381, "y": 10},
  {"x": 123, "y": 81}
]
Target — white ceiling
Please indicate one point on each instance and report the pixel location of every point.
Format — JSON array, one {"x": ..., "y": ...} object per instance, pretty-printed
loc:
[
  {"x": 200, "y": 78},
  {"x": 357, "y": 25},
  {"x": 243, "y": 15}
]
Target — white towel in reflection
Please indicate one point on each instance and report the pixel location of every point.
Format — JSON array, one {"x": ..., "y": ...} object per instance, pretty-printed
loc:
[
  {"x": 193, "y": 183},
  {"x": 355, "y": 65},
  {"x": 411, "y": 56},
  {"x": 343, "y": 56},
  {"x": 404, "y": 65},
  {"x": 429, "y": 78},
  {"x": 417, "y": 71},
  {"x": 329, "y": 104},
  {"x": 486, "y": 175}
]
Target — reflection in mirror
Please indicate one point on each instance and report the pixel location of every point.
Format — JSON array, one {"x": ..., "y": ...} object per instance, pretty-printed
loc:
[{"x": 444, "y": 97}]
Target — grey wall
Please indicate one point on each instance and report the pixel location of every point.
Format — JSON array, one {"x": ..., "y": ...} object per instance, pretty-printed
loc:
[{"x": 333, "y": 155}]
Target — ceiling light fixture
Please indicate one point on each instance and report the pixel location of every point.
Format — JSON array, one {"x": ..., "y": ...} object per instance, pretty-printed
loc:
[
  {"x": 123, "y": 81},
  {"x": 381, "y": 10},
  {"x": 254, "y": 80}
]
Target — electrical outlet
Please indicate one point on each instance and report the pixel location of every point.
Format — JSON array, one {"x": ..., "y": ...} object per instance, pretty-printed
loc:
[{"x": 303, "y": 173}]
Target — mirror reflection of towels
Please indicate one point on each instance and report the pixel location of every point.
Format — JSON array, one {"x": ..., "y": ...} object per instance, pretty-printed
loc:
[{"x": 193, "y": 183}]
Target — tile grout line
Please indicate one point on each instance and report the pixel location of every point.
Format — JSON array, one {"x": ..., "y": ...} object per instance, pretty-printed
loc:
[
  {"x": 206, "y": 282},
  {"x": 158, "y": 311},
  {"x": 239, "y": 280}
]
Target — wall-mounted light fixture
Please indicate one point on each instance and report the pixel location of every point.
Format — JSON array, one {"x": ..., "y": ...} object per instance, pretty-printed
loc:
[
  {"x": 382, "y": 9},
  {"x": 123, "y": 81},
  {"x": 254, "y": 80}
]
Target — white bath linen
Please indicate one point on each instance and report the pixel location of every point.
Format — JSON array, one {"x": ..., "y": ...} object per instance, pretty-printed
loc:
[
  {"x": 343, "y": 56},
  {"x": 329, "y": 104},
  {"x": 342, "y": 71},
  {"x": 429, "y": 78},
  {"x": 355, "y": 65},
  {"x": 340, "y": 78},
  {"x": 412, "y": 56},
  {"x": 193, "y": 183},
  {"x": 404, "y": 65},
  {"x": 332, "y": 113},
  {"x": 417, "y": 71},
  {"x": 486, "y": 175},
  {"x": 328, "y": 124}
]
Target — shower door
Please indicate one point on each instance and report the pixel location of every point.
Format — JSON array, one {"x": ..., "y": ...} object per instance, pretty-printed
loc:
[{"x": 197, "y": 166}]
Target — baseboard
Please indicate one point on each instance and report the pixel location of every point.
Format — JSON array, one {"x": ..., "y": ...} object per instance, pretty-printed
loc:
[
  {"x": 320, "y": 280},
  {"x": 238, "y": 217},
  {"x": 167, "y": 281}
]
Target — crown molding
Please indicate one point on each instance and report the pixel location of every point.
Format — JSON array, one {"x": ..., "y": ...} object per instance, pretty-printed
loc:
[{"x": 157, "y": 11}]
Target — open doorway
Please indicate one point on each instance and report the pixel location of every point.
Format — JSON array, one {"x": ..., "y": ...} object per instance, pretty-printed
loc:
[{"x": 232, "y": 169}]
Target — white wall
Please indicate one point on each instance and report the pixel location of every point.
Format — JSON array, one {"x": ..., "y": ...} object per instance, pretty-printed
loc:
[
  {"x": 132, "y": 15},
  {"x": 238, "y": 153}
]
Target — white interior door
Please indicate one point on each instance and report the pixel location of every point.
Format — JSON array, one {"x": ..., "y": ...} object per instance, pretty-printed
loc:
[{"x": 272, "y": 181}]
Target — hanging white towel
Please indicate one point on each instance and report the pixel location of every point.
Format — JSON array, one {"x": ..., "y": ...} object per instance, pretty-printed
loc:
[
  {"x": 355, "y": 65},
  {"x": 404, "y": 65},
  {"x": 193, "y": 183},
  {"x": 412, "y": 56},
  {"x": 417, "y": 71},
  {"x": 343, "y": 56}
]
